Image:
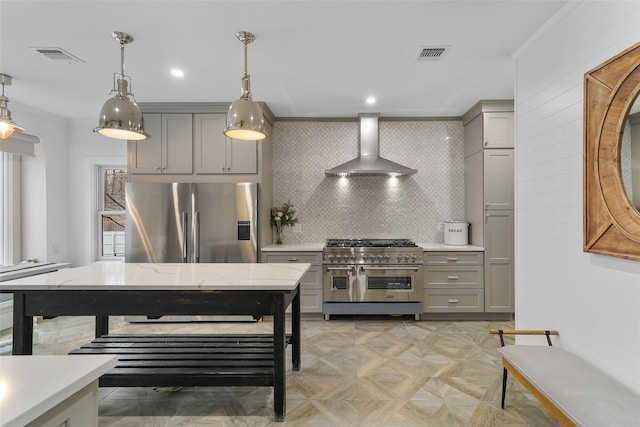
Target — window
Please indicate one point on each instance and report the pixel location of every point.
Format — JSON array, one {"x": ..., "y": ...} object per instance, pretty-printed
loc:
[
  {"x": 111, "y": 212},
  {"x": 9, "y": 208}
]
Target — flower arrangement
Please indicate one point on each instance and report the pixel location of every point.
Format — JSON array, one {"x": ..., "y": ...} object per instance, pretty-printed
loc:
[{"x": 282, "y": 216}]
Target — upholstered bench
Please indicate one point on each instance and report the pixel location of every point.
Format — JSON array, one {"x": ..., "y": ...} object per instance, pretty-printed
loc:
[{"x": 573, "y": 390}]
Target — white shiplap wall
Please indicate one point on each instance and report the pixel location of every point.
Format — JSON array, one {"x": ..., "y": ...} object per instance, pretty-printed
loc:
[{"x": 593, "y": 300}]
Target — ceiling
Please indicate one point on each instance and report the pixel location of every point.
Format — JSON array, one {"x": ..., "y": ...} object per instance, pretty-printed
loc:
[{"x": 309, "y": 59}]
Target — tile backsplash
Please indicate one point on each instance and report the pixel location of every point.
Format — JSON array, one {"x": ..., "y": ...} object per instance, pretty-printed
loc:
[{"x": 369, "y": 207}]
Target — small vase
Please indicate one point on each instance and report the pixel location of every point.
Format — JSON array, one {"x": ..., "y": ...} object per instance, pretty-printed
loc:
[{"x": 278, "y": 233}]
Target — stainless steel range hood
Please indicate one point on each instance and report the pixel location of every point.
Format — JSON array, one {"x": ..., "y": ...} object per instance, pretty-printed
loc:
[{"x": 369, "y": 162}]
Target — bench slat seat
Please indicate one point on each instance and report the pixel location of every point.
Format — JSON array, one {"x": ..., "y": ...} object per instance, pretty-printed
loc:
[{"x": 585, "y": 394}]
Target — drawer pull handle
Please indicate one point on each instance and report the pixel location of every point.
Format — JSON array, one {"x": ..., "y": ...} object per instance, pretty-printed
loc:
[
  {"x": 452, "y": 259},
  {"x": 453, "y": 277},
  {"x": 453, "y": 301},
  {"x": 292, "y": 259}
]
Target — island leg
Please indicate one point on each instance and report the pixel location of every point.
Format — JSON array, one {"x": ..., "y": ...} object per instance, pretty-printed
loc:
[
  {"x": 22, "y": 326},
  {"x": 295, "y": 331},
  {"x": 279, "y": 359},
  {"x": 102, "y": 326}
]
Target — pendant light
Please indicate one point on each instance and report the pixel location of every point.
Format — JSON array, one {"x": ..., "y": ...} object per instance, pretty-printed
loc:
[
  {"x": 121, "y": 117},
  {"x": 245, "y": 119},
  {"x": 7, "y": 126}
]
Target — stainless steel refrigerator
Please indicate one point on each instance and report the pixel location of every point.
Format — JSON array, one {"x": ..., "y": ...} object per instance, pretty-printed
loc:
[
  {"x": 191, "y": 222},
  {"x": 187, "y": 222}
]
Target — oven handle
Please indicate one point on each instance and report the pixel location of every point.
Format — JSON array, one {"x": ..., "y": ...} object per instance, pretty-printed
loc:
[
  {"x": 350, "y": 268},
  {"x": 363, "y": 268}
]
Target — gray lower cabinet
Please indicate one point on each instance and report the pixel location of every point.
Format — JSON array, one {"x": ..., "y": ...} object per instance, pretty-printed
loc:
[
  {"x": 311, "y": 283},
  {"x": 453, "y": 282}
]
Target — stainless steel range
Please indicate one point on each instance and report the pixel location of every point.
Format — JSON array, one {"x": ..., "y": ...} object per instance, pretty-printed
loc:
[{"x": 372, "y": 276}]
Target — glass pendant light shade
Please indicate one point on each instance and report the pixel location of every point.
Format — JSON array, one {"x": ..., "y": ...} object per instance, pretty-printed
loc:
[
  {"x": 7, "y": 126},
  {"x": 245, "y": 119},
  {"x": 120, "y": 116}
]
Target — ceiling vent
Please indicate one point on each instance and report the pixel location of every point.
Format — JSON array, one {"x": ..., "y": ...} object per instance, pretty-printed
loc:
[
  {"x": 56, "y": 54},
  {"x": 432, "y": 53}
]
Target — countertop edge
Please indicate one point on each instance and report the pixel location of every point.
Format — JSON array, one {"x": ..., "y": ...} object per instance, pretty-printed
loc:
[
  {"x": 103, "y": 364},
  {"x": 318, "y": 247}
]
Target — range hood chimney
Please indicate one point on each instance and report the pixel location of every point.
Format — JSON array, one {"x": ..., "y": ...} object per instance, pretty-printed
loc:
[{"x": 369, "y": 162}]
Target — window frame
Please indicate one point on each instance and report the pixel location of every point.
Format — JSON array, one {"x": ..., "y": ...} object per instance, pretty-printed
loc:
[{"x": 101, "y": 212}]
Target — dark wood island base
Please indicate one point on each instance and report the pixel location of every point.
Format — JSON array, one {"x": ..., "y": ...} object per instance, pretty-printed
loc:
[{"x": 176, "y": 360}]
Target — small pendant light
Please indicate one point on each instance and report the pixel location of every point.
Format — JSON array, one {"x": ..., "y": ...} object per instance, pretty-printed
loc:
[
  {"x": 121, "y": 117},
  {"x": 7, "y": 126},
  {"x": 245, "y": 119}
]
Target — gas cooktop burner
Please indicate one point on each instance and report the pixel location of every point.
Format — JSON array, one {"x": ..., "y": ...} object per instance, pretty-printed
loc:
[{"x": 370, "y": 243}]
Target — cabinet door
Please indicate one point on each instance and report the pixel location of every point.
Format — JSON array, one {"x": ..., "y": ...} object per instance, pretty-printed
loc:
[
  {"x": 499, "y": 262},
  {"x": 498, "y": 179},
  {"x": 242, "y": 156},
  {"x": 498, "y": 130},
  {"x": 177, "y": 143},
  {"x": 210, "y": 143},
  {"x": 145, "y": 156}
]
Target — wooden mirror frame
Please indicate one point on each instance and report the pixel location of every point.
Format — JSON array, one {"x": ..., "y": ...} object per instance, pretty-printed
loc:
[{"x": 611, "y": 222}]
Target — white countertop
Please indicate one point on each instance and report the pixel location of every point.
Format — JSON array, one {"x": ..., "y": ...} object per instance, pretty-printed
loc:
[
  {"x": 298, "y": 247},
  {"x": 148, "y": 276},
  {"x": 318, "y": 247},
  {"x": 11, "y": 272},
  {"x": 32, "y": 385},
  {"x": 441, "y": 247}
]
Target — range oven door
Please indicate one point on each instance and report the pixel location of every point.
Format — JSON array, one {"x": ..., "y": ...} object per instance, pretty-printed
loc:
[
  {"x": 389, "y": 283},
  {"x": 339, "y": 283}
]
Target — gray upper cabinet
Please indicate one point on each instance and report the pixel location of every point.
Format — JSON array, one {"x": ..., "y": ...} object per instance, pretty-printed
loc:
[
  {"x": 497, "y": 130},
  {"x": 489, "y": 197},
  {"x": 217, "y": 154},
  {"x": 168, "y": 150},
  {"x": 486, "y": 129}
]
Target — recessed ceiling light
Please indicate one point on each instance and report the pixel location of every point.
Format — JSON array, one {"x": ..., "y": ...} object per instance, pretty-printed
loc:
[
  {"x": 371, "y": 100},
  {"x": 177, "y": 73}
]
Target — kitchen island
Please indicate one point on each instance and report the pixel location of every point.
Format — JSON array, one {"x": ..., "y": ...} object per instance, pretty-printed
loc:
[{"x": 115, "y": 288}]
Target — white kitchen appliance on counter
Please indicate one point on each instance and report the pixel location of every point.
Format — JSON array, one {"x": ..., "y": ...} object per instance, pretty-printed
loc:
[{"x": 456, "y": 233}]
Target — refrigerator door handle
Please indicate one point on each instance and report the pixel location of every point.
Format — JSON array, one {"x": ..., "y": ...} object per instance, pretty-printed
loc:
[
  {"x": 185, "y": 239},
  {"x": 196, "y": 237}
]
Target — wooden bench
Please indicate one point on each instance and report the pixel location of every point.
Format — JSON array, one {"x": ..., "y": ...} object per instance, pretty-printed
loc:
[
  {"x": 573, "y": 390},
  {"x": 186, "y": 360}
]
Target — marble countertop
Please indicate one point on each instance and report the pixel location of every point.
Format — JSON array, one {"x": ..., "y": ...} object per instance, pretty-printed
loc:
[
  {"x": 148, "y": 276},
  {"x": 298, "y": 247},
  {"x": 318, "y": 247},
  {"x": 25, "y": 269},
  {"x": 441, "y": 247},
  {"x": 32, "y": 385}
]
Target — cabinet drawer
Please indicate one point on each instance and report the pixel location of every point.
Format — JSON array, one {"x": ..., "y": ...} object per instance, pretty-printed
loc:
[
  {"x": 284, "y": 257},
  {"x": 453, "y": 300},
  {"x": 453, "y": 258},
  {"x": 453, "y": 277},
  {"x": 312, "y": 279},
  {"x": 310, "y": 301}
]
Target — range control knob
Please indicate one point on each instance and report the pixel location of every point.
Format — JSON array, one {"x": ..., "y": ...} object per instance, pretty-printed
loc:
[
  {"x": 387, "y": 256},
  {"x": 398, "y": 257},
  {"x": 406, "y": 257},
  {"x": 365, "y": 256}
]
